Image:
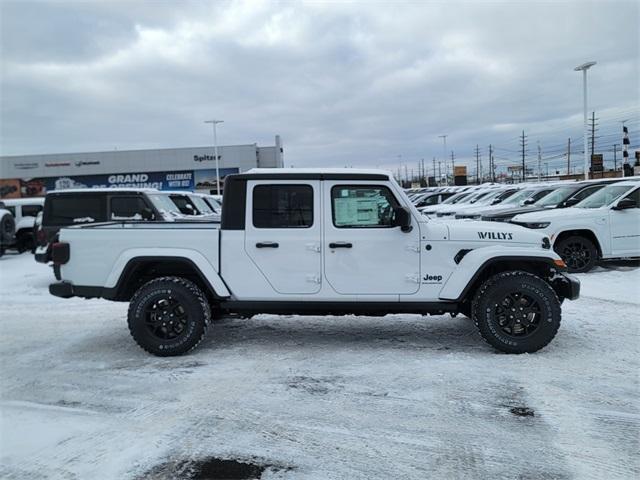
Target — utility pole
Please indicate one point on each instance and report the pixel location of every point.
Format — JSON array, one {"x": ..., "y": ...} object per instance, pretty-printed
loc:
[
  {"x": 491, "y": 173},
  {"x": 434, "y": 171},
  {"x": 593, "y": 133},
  {"x": 615, "y": 159},
  {"x": 539, "y": 160},
  {"x": 439, "y": 173},
  {"x": 477, "y": 164},
  {"x": 423, "y": 174},
  {"x": 453, "y": 173},
  {"x": 523, "y": 144},
  {"x": 569, "y": 156}
]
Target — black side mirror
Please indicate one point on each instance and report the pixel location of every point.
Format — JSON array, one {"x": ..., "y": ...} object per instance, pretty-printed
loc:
[
  {"x": 147, "y": 214},
  {"x": 529, "y": 201},
  {"x": 402, "y": 219},
  {"x": 626, "y": 203},
  {"x": 570, "y": 202}
]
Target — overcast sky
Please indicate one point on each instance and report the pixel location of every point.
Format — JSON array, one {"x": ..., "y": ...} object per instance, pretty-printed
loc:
[{"x": 343, "y": 83}]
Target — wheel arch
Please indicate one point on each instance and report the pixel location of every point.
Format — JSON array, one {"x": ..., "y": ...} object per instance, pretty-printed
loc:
[
  {"x": 579, "y": 232},
  {"x": 140, "y": 270},
  {"x": 543, "y": 267}
]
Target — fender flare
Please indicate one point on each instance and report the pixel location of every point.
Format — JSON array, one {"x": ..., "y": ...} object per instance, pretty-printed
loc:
[
  {"x": 129, "y": 259},
  {"x": 461, "y": 280}
]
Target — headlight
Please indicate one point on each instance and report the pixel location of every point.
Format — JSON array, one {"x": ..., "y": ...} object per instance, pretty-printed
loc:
[{"x": 535, "y": 225}]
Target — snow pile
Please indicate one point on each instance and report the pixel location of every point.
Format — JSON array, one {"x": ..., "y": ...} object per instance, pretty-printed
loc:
[{"x": 327, "y": 397}]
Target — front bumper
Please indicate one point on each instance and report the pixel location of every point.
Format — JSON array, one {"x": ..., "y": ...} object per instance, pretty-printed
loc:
[
  {"x": 42, "y": 254},
  {"x": 61, "y": 289},
  {"x": 567, "y": 286}
]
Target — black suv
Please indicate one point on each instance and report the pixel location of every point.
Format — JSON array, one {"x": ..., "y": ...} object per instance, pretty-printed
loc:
[{"x": 66, "y": 208}]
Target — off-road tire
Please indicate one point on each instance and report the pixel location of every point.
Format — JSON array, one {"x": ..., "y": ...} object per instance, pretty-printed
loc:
[
  {"x": 193, "y": 302},
  {"x": 494, "y": 289},
  {"x": 584, "y": 249}
]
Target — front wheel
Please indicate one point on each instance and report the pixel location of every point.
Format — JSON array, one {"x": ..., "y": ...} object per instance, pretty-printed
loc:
[
  {"x": 579, "y": 253},
  {"x": 517, "y": 312},
  {"x": 168, "y": 316}
]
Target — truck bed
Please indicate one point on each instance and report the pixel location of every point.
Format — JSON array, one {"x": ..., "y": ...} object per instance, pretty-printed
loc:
[{"x": 100, "y": 251}]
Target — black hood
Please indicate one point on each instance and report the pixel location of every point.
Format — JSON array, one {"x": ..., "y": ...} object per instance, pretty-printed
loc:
[{"x": 506, "y": 215}]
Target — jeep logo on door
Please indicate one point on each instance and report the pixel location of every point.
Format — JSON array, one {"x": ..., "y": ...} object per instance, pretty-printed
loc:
[
  {"x": 432, "y": 279},
  {"x": 495, "y": 235}
]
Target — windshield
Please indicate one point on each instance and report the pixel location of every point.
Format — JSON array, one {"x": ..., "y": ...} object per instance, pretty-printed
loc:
[
  {"x": 603, "y": 197},
  {"x": 517, "y": 197},
  {"x": 165, "y": 205},
  {"x": 556, "y": 197},
  {"x": 201, "y": 205},
  {"x": 455, "y": 199}
]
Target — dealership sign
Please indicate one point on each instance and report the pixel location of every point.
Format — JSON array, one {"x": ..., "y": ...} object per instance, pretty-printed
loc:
[{"x": 159, "y": 180}]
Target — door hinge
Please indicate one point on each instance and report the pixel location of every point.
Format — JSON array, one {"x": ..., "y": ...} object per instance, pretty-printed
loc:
[
  {"x": 413, "y": 278},
  {"x": 313, "y": 278},
  {"x": 314, "y": 247}
]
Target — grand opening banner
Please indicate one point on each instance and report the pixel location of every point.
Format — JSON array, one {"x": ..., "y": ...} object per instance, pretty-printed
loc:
[{"x": 203, "y": 180}]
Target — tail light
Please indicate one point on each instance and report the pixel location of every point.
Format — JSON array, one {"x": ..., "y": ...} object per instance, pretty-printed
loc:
[
  {"x": 60, "y": 253},
  {"x": 41, "y": 236}
]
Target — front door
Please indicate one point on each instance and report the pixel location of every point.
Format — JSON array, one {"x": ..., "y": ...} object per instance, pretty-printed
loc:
[
  {"x": 364, "y": 253},
  {"x": 282, "y": 235},
  {"x": 625, "y": 228}
]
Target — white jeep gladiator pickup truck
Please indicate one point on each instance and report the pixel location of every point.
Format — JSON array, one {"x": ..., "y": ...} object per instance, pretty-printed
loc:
[{"x": 301, "y": 241}]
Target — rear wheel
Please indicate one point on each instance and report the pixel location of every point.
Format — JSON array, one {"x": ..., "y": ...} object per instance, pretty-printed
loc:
[
  {"x": 168, "y": 316},
  {"x": 579, "y": 253},
  {"x": 517, "y": 312}
]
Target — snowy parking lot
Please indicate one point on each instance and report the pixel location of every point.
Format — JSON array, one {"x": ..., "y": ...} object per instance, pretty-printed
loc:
[{"x": 401, "y": 396}]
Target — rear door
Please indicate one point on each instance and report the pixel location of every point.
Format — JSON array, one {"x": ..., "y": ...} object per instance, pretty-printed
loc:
[
  {"x": 282, "y": 234},
  {"x": 364, "y": 253}
]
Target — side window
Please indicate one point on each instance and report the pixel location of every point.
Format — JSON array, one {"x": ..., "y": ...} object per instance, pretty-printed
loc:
[
  {"x": 635, "y": 195},
  {"x": 31, "y": 210},
  {"x": 184, "y": 204},
  {"x": 582, "y": 194},
  {"x": 73, "y": 210},
  {"x": 127, "y": 208},
  {"x": 282, "y": 206},
  {"x": 362, "y": 206},
  {"x": 12, "y": 209},
  {"x": 538, "y": 195}
]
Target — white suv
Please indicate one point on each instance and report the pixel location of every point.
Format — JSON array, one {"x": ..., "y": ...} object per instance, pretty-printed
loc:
[{"x": 605, "y": 225}]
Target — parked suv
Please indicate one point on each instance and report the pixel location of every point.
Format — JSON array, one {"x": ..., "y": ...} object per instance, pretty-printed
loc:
[
  {"x": 80, "y": 206},
  {"x": 24, "y": 211},
  {"x": 605, "y": 225},
  {"x": 7, "y": 229}
]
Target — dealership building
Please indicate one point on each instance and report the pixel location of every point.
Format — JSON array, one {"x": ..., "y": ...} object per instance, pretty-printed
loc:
[{"x": 191, "y": 168}]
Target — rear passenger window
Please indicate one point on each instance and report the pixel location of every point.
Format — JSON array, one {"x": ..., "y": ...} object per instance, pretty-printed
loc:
[
  {"x": 127, "y": 208},
  {"x": 31, "y": 210},
  {"x": 282, "y": 206},
  {"x": 73, "y": 210}
]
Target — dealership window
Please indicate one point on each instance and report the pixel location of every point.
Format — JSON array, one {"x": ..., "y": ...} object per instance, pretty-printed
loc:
[
  {"x": 362, "y": 206},
  {"x": 128, "y": 208},
  {"x": 283, "y": 206},
  {"x": 31, "y": 210},
  {"x": 75, "y": 209}
]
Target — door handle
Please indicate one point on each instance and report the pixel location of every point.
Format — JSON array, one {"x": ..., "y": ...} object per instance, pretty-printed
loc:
[
  {"x": 340, "y": 245},
  {"x": 267, "y": 245}
]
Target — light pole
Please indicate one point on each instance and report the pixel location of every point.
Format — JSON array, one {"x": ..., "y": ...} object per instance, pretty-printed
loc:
[
  {"x": 215, "y": 152},
  {"x": 584, "y": 67}
]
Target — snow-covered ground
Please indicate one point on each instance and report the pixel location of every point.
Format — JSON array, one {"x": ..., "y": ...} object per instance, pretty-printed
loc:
[{"x": 319, "y": 397}]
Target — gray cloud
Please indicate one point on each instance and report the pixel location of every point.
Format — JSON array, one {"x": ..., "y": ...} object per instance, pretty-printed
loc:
[{"x": 343, "y": 83}]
